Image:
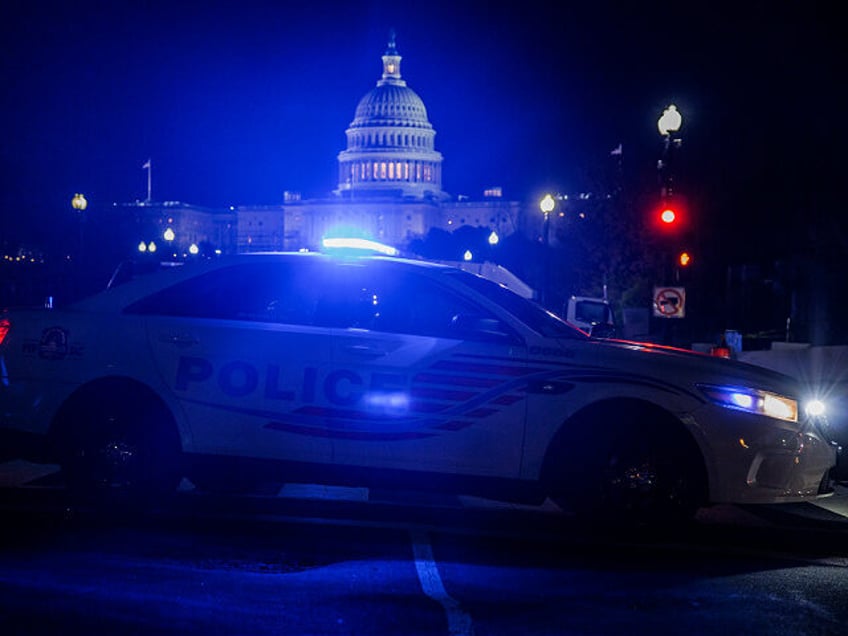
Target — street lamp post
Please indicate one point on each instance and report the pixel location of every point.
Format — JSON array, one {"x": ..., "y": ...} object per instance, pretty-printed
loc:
[
  {"x": 669, "y": 125},
  {"x": 547, "y": 205},
  {"x": 169, "y": 237},
  {"x": 79, "y": 203}
]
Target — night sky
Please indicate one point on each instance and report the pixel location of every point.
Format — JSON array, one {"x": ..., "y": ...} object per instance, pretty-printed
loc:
[{"x": 236, "y": 102}]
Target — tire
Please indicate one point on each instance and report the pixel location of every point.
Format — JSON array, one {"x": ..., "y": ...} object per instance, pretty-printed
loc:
[
  {"x": 634, "y": 473},
  {"x": 115, "y": 450}
]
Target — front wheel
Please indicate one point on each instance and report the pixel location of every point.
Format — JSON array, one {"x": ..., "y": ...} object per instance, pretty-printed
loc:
[{"x": 637, "y": 473}]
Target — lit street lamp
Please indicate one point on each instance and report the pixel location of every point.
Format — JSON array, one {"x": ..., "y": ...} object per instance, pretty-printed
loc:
[
  {"x": 546, "y": 205},
  {"x": 668, "y": 124},
  {"x": 670, "y": 121},
  {"x": 169, "y": 236},
  {"x": 79, "y": 203}
]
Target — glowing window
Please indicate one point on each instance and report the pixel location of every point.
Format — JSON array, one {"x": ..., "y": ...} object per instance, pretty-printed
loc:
[{"x": 391, "y": 170}]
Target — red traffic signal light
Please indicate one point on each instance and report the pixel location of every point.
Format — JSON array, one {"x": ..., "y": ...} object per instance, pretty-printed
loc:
[{"x": 670, "y": 215}]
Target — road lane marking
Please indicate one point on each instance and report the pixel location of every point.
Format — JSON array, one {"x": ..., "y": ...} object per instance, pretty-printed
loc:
[{"x": 459, "y": 623}]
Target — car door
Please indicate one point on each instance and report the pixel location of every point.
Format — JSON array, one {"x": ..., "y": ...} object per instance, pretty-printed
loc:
[
  {"x": 424, "y": 379},
  {"x": 237, "y": 348}
]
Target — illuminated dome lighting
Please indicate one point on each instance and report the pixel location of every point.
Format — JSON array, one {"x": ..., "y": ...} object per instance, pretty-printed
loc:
[{"x": 390, "y": 142}]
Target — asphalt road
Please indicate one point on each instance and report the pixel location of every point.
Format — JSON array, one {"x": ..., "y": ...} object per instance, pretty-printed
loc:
[{"x": 313, "y": 560}]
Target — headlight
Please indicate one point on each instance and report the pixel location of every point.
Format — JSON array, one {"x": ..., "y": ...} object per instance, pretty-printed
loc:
[{"x": 753, "y": 401}]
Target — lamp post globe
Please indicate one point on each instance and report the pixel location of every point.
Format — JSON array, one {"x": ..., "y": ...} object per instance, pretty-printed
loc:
[
  {"x": 79, "y": 202},
  {"x": 670, "y": 121}
]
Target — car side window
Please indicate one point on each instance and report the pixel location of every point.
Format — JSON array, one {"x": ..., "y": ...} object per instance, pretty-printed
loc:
[
  {"x": 385, "y": 299},
  {"x": 261, "y": 292}
]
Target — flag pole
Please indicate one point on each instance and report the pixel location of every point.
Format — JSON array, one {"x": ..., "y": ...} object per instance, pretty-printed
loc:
[{"x": 149, "y": 180}]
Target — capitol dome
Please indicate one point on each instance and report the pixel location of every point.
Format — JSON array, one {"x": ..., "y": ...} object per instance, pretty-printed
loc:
[
  {"x": 390, "y": 142},
  {"x": 391, "y": 105}
]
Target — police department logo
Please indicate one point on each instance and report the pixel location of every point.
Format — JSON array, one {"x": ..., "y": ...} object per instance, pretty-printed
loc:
[{"x": 53, "y": 344}]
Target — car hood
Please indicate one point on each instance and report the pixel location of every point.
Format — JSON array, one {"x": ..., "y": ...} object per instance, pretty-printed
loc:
[{"x": 686, "y": 367}]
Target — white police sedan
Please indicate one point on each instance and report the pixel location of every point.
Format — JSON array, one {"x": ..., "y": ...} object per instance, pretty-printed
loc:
[{"x": 377, "y": 371}]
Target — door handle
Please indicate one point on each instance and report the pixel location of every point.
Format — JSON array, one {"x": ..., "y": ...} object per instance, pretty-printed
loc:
[
  {"x": 179, "y": 339},
  {"x": 364, "y": 350}
]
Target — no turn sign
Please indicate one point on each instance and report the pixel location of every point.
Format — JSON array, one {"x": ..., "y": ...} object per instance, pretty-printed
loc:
[{"x": 670, "y": 302}]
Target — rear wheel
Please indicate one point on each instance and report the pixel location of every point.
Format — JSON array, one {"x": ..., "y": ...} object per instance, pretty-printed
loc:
[{"x": 115, "y": 450}]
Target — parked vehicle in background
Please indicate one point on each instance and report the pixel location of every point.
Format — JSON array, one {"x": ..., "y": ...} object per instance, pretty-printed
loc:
[{"x": 592, "y": 315}]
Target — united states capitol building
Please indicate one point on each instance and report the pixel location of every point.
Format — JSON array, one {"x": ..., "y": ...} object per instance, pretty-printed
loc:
[{"x": 389, "y": 190}]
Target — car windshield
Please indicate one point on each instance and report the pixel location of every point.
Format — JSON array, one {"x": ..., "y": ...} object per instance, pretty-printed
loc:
[{"x": 530, "y": 313}]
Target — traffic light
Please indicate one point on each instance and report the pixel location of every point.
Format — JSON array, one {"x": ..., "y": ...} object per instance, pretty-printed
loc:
[
  {"x": 670, "y": 215},
  {"x": 684, "y": 259}
]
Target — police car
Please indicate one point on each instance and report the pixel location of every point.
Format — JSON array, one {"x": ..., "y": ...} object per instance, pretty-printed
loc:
[{"x": 386, "y": 372}]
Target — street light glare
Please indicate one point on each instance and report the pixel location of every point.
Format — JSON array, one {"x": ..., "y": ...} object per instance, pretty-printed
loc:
[
  {"x": 670, "y": 121},
  {"x": 547, "y": 204},
  {"x": 78, "y": 202}
]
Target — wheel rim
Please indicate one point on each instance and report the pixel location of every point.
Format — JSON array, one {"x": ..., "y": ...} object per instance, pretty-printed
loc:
[
  {"x": 641, "y": 484},
  {"x": 117, "y": 456},
  {"x": 116, "y": 463}
]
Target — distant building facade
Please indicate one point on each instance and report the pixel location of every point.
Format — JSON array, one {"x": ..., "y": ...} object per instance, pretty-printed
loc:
[{"x": 389, "y": 188}]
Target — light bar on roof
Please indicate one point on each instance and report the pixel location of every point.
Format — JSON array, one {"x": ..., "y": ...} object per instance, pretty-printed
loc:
[{"x": 359, "y": 244}]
